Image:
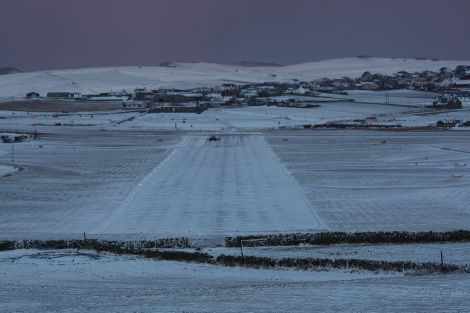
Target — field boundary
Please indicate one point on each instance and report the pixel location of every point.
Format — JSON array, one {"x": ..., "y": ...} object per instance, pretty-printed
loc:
[
  {"x": 329, "y": 238},
  {"x": 94, "y": 244},
  {"x": 151, "y": 250},
  {"x": 344, "y": 264}
]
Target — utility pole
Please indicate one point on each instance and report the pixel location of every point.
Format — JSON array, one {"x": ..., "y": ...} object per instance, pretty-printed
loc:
[{"x": 12, "y": 154}]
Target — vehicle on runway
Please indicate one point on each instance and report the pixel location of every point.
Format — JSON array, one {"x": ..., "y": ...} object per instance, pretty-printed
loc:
[{"x": 213, "y": 138}]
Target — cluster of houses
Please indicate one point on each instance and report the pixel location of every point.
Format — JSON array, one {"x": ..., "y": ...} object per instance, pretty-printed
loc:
[
  {"x": 280, "y": 94},
  {"x": 448, "y": 101},
  {"x": 295, "y": 93},
  {"x": 442, "y": 81},
  {"x": 108, "y": 96}
]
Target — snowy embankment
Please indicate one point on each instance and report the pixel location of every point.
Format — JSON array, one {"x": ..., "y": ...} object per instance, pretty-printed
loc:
[
  {"x": 7, "y": 170},
  {"x": 190, "y": 75},
  {"x": 4, "y": 149}
]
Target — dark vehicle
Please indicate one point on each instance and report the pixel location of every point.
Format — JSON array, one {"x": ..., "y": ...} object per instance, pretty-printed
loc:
[
  {"x": 13, "y": 138},
  {"x": 6, "y": 139},
  {"x": 20, "y": 138},
  {"x": 213, "y": 138}
]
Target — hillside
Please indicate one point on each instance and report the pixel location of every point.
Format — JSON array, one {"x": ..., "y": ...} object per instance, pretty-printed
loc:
[
  {"x": 188, "y": 75},
  {"x": 9, "y": 70}
]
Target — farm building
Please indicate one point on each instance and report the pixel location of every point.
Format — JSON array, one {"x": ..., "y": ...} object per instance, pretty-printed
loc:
[
  {"x": 130, "y": 105},
  {"x": 192, "y": 107},
  {"x": 32, "y": 95},
  {"x": 448, "y": 102},
  {"x": 63, "y": 95},
  {"x": 369, "y": 85}
]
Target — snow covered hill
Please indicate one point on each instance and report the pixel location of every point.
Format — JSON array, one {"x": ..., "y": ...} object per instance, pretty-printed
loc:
[
  {"x": 188, "y": 75},
  {"x": 9, "y": 70}
]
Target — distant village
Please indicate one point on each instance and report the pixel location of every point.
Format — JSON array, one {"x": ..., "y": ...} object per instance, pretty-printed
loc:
[{"x": 452, "y": 84}]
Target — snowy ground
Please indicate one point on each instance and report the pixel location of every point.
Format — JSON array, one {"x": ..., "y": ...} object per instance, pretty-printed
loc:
[
  {"x": 412, "y": 98},
  {"x": 229, "y": 119},
  {"x": 6, "y": 170},
  {"x": 72, "y": 181},
  {"x": 29, "y": 121},
  {"x": 426, "y": 118},
  {"x": 254, "y": 118},
  {"x": 4, "y": 149},
  {"x": 64, "y": 281},
  {"x": 414, "y": 181},
  {"x": 127, "y": 175},
  {"x": 133, "y": 184},
  {"x": 118, "y": 182}
]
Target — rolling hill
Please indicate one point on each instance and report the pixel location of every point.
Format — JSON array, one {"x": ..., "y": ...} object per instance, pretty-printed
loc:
[{"x": 190, "y": 75}]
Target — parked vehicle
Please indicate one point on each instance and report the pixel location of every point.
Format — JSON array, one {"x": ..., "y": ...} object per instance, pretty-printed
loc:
[{"x": 213, "y": 138}]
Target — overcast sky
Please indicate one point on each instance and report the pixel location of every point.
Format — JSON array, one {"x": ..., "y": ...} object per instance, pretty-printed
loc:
[{"x": 51, "y": 34}]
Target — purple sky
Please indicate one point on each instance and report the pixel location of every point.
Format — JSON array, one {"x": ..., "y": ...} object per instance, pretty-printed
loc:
[{"x": 50, "y": 34}]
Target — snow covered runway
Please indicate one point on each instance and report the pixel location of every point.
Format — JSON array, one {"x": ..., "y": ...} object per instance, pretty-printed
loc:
[{"x": 215, "y": 188}]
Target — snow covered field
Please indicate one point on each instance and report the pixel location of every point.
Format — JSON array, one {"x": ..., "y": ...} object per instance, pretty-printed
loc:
[
  {"x": 30, "y": 121},
  {"x": 245, "y": 118},
  {"x": 72, "y": 181},
  {"x": 64, "y": 281},
  {"x": 414, "y": 181},
  {"x": 426, "y": 118},
  {"x": 229, "y": 119},
  {"x": 403, "y": 97},
  {"x": 261, "y": 117},
  {"x": 133, "y": 184}
]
